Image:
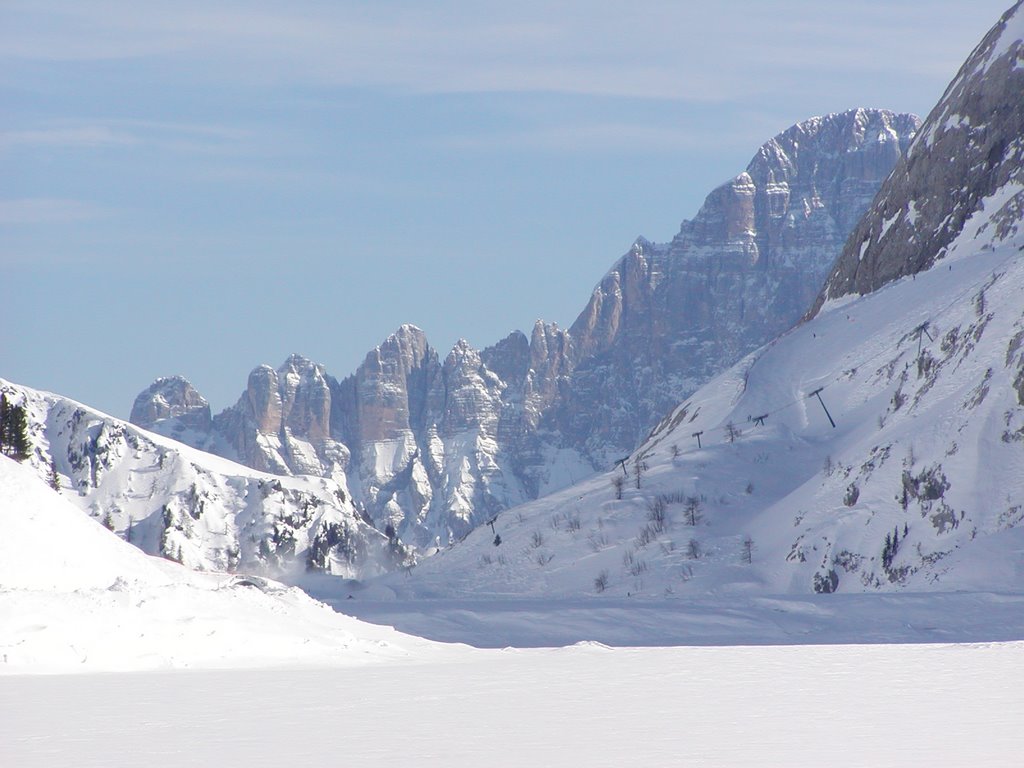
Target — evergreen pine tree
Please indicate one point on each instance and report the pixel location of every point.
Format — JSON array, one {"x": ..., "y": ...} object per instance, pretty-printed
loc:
[
  {"x": 20, "y": 447},
  {"x": 14, "y": 440},
  {"x": 5, "y": 417},
  {"x": 54, "y": 478}
]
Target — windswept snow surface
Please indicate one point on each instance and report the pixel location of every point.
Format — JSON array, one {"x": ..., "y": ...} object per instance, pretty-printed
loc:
[
  {"x": 587, "y": 705},
  {"x": 75, "y": 598}
]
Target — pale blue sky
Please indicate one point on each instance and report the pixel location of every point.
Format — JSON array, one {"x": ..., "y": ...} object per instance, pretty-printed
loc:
[{"x": 198, "y": 187}]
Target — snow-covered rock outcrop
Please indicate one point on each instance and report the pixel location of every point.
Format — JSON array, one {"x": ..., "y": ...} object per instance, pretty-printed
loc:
[
  {"x": 669, "y": 316},
  {"x": 962, "y": 175},
  {"x": 195, "y": 508}
]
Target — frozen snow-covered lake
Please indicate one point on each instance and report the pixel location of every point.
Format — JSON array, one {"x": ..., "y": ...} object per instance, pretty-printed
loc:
[
  {"x": 497, "y": 622},
  {"x": 586, "y": 705}
]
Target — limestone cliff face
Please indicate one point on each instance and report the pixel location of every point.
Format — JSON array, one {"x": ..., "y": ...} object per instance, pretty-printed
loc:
[
  {"x": 963, "y": 171},
  {"x": 669, "y": 316},
  {"x": 282, "y": 422},
  {"x": 436, "y": 446}
]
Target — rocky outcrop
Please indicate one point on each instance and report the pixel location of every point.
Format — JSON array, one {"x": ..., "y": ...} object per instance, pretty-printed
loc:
[
  {"x": 172, "y": 399},
  {"x": 191, "y": 507},
  {"x": 962, "y": 174},
  {"x": 282, "y": 422},
  {"x": 434, "y": 447}
]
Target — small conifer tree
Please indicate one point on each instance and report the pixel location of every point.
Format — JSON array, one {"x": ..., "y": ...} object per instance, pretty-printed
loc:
[{"x": 14, "y": 440}]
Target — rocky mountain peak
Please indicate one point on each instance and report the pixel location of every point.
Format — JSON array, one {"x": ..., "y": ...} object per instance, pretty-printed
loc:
[
  {"x": 667, "y": 317},
  {"x": 171, "y": 398},
  {"x": 962, "y": 173}
]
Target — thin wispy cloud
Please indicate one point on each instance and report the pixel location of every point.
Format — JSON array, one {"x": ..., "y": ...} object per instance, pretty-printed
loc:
[
  {"x": 617, "y": 136},
  {"x": 83, "y": 136},
  {"x": 44, "y": 210},
  {"x": 656, "y": 50},
  {"x": 127, "y": 133}
]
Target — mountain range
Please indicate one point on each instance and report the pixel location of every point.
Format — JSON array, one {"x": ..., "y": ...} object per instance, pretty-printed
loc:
[{"x": 432, "y": 447}]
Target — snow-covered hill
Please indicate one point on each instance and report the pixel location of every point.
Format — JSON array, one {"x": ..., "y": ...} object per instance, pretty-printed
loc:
[
  {"x": 74, "y": 597},
  {"x": 877, "y": 446},
  {"x": 195, "y": 508}
]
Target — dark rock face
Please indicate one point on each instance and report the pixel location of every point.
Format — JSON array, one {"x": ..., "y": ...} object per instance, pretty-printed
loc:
[
  {"x": 172, "y": 399},
  {"x": 435, "y": 447},
  {"x": 964, "y": 163}
]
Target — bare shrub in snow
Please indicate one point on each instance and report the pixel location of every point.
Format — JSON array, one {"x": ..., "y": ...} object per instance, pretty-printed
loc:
[
  {"x": 694, "y": 550},
  {"x": 646, "y": 536},
  {"x": 691, "y": 512},
  {"x": 657, "y": 514},
  {"x": 634, "y": 565}
]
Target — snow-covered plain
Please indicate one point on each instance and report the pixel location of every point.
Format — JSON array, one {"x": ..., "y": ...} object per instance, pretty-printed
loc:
[{"x": 909, "y": 705}]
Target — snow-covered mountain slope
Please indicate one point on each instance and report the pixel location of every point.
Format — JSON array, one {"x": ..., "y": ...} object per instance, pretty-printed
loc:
[
  {"x": 920, "y": 485},
  {"x": 435, "y": 445},
  {"x": 74, "y": 597},
  {"x": 198, "y": 509}
]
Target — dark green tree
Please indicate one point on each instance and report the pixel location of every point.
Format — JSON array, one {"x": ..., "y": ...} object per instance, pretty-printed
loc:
[
  {"x": 5, "y": 418},
  {"x": 14, "y": 440}
]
